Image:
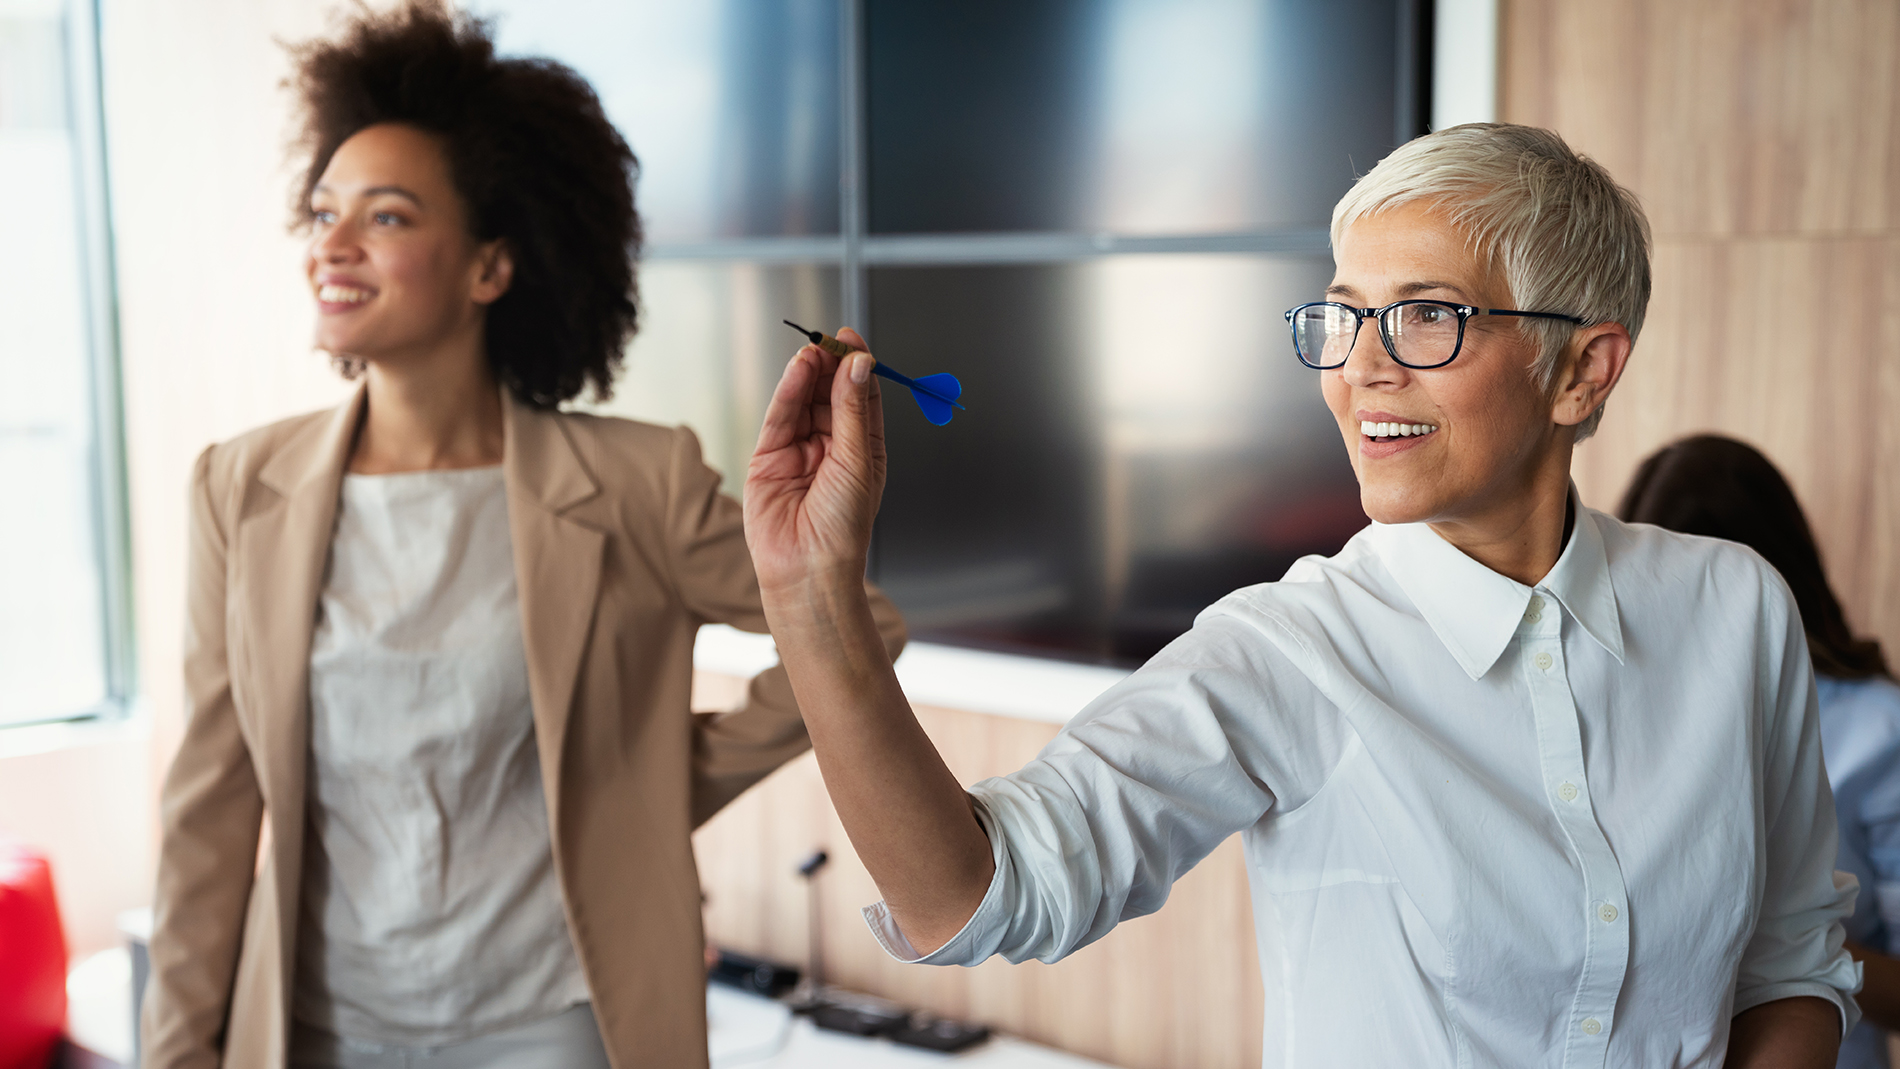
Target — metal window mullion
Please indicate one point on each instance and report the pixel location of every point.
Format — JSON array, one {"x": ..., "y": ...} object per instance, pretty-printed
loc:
[{"x": 853, "y": 168}]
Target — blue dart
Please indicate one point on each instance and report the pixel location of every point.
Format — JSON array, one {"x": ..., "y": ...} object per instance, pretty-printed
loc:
[{"x": 936, "y": 394}]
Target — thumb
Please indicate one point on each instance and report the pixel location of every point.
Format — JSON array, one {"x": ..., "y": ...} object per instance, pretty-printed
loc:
[{"x": 850, "y": 406}]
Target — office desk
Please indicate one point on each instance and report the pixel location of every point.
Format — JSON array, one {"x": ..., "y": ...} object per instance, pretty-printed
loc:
[{"x": 749, "y": 1032}]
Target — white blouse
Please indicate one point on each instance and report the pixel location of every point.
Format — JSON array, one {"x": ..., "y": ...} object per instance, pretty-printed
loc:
[
  {"x": 431, "y": 911},
  {"x": 1487, "y": 824}
]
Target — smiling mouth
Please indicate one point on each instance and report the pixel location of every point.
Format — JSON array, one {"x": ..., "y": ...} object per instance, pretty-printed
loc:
[
  {"x": 334, "y": 294},
  {"x": 1387, "y": 432}
]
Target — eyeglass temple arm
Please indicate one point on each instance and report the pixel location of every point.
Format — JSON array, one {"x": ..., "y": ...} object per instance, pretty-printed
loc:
[{"x": 1530, "y": 315}]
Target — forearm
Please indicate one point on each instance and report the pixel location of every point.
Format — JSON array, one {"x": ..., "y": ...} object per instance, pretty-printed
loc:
[
  {"x": 907, "y": 816},
  {"x": 1789, "y": 1033},
  {"x": 1879, "y": 996}
]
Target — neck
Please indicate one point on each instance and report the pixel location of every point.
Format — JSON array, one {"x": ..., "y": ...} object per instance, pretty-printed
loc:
[
  {"x": 434, "y": 410},
  {"x": 1523, "y": 534}
]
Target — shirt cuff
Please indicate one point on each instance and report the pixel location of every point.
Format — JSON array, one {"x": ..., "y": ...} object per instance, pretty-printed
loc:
[
  {"x": 982, "y": 930},
  {"x": 1761, "y": 996}
]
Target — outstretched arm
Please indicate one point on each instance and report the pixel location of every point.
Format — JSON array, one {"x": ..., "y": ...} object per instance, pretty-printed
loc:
[{"x": 811, "y": 493}]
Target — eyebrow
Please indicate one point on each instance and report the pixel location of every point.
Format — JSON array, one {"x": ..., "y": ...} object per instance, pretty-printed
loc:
[
  {"x": 374, "y": 191},
  {"x": 1405, "y": 290}
]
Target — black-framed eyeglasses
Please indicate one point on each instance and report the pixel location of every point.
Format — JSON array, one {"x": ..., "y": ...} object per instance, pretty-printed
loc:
[{"x": 1418, "y": 334}]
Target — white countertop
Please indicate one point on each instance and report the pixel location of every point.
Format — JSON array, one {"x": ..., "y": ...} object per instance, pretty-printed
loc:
[
  {"x": 744, "y": 1031},
  {"x": 750, "y": 1032},
  {"x": 1002, "y": 684}
]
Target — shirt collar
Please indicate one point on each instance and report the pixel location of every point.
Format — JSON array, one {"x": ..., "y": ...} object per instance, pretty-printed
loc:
[
  {"x": 1581, "y": 582},
  {"x": 1475, "y": 611}
]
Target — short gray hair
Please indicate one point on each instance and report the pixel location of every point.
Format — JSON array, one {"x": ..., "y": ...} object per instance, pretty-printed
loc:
[{"x": 1568, "y": 237}]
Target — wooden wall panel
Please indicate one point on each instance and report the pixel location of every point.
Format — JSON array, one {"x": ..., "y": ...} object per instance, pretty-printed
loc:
[
  {"x": 1762, "y": 140},
  {"x": 1179, "y": 989},
  {"x": 1764, "y": 117}
]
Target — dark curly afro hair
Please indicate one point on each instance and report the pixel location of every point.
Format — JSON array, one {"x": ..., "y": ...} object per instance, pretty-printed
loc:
[{"x": 536, "y": 162}]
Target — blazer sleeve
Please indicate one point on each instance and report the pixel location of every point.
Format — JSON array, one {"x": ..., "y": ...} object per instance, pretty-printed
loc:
[
  {"x": 211, "y": 812},
  {"x": 713, "y": 570}
]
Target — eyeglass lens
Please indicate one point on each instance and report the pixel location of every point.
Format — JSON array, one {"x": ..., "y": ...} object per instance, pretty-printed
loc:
[{"x": 1422, "y": 334}]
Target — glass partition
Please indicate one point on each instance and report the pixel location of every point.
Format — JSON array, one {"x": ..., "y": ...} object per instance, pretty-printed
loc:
[
  {"x": 730, "y": 105},
  {"x": 1126, "y": 116},
  {"x": 1145, "y": 442},
  {"x": 1092, "y": 212},
  {"x": 711, "y": 348}
]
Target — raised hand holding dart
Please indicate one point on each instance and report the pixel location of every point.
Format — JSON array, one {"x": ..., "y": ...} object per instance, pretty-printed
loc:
[{"x": 936, "y": 394}]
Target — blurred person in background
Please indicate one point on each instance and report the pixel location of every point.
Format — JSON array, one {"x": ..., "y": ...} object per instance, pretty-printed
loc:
[
  {"x": 1519, "y": 784},
  {"x": 440, "y": 638},
  {"x": 1718, "y": 487}
]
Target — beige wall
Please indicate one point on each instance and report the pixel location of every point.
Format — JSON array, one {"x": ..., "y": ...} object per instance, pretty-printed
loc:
[
  {"x": 1764, "y": 141},
  {"x": 84, "y": 798},
  {"x": 214, "y": 318}
]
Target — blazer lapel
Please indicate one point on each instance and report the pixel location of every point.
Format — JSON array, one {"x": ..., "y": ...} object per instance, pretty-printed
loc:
[
  {"x": 557, "y": 569},
  {"x": 281, "y": 548},
  {"x": 283, "y": 544}
]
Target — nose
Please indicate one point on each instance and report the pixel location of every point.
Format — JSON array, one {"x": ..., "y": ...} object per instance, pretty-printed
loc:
[
  {"x": 1367, "y": 363},
  {"x": 335, "y": 244}
]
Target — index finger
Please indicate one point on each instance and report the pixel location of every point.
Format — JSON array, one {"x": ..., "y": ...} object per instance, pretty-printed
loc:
[{"x": 790, "y": 406}]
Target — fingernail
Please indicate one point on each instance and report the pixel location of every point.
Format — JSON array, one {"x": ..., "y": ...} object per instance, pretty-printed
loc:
[{"x": 860, "y": 368}]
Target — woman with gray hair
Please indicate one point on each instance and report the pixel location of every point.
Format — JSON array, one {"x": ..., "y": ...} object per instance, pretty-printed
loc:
[{"x": 1519, "y": 784}]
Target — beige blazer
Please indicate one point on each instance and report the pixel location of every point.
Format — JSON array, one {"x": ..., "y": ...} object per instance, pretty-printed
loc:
[{"x": 623, "y": 546}]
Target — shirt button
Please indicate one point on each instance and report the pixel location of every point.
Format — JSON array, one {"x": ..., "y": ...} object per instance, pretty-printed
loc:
[
  {"x": 1568, "y": 792},
  {"x": 1543, "y": 662},
  {"x": 1535, "y": 610},
  {"x": 1607, "y": 912},
  {"x": 1591, "y": 1026}
]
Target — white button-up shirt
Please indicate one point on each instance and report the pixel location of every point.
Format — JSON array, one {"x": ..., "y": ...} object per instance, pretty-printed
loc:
[{"x": 1577, "y": 824}]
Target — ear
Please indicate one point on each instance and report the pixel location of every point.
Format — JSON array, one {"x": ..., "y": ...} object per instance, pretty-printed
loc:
[
  {"x": 495, "y": 271},
  {"x": 1595, "y": 364}
]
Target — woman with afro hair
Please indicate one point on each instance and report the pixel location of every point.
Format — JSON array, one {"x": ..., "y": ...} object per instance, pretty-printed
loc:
[{"x": 435, "y": 797}]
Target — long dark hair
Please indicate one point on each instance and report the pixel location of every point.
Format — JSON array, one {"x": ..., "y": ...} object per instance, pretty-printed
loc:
[{"x": 1716, "y": 486}]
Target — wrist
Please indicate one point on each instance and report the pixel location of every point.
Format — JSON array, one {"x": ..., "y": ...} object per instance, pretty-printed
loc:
[
  {"x": 819, "y": 598},
  {"x": 825, "y": 620}
]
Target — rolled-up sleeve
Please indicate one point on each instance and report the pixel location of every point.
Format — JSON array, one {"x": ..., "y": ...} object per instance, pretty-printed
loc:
[
  {"x": 1141, "y": 786},
  {"x": 1797, "y": 946},
  {"x": 981, "y": 935}
]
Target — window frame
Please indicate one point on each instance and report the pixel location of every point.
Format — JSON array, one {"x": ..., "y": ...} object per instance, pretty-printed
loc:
[{"x": 107, "y": 492}]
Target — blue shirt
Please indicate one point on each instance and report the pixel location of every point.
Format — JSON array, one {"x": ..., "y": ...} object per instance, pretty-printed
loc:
[{"x": 1860, "y": 736}]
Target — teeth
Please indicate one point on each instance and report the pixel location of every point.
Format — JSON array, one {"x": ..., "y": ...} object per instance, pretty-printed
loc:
[
  {"x": 333, "y": 294},
  {"x": 1378, "y": 429}
]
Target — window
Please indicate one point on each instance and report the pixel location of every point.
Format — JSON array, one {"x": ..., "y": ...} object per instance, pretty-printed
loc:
[{"x": 65, "y": 649}]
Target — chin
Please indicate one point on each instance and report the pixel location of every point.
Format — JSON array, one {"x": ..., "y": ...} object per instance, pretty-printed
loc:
[
  {"x": 1394, "y": 504},
  {"x": 336, "y": 341}
]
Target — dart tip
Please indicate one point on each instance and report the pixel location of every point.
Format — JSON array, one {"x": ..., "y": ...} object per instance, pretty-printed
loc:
[{"x": 815, "y": 337}]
